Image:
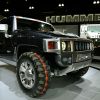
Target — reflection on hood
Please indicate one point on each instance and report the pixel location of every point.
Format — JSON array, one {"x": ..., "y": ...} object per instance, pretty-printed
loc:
[{"x": 66, "y": 34}]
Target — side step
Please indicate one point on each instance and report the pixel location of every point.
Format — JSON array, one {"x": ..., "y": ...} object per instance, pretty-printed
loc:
[{"x": 8, "y": 61}]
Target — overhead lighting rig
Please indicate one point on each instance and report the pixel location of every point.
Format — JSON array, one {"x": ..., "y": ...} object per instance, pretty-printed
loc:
[
  {"x": 61, "y": 4},
  {"x": 31, "y": 7},
  {"x": 96, "y": 2},
  {"x": 6, "y": 10}
]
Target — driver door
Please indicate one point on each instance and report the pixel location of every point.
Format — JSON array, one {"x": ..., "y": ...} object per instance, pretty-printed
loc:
[
  {"x": 3, "y": 31},
  {"x": 6, "y": 46}
]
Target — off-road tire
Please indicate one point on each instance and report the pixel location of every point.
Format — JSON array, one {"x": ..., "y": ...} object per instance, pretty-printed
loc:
[
  {"x": 78, "y": 73},
  {"x": 42, "y": 73}
]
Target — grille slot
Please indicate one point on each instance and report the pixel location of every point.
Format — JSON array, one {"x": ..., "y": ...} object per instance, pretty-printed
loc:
[{"x": 81, "y": 45}]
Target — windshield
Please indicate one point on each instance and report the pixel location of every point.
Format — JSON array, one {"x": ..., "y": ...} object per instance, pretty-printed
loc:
[
  {"x": 94, "y": 28},
  {"x": 33, "y": 25}
]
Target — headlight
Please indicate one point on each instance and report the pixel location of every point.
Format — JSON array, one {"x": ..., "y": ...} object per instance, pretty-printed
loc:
[
  {"x": 63, "y": 45},
  {"x": 66, "y": 46}
]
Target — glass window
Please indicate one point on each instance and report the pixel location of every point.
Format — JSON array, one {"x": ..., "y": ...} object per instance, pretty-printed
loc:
[
  {"x": 94, "y": 28},
  {"x": 33, "y": 25}
]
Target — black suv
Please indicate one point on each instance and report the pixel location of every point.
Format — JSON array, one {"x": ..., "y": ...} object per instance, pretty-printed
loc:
[{"x": 39, "y": 51}]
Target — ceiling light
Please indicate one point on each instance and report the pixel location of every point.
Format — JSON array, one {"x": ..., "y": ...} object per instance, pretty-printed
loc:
[
  {"x": 98, "y": 2},
  {"x": 62, "y": 5},
  {"x": 31, "y": 7},
  {"x": 6, "y": 10},
  {"x": 59, "y": 5},
  {"x": 94, "y": 2}
]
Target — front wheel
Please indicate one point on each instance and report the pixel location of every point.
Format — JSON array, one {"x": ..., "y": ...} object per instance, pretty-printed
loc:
[{"x": 33, "y": 73}]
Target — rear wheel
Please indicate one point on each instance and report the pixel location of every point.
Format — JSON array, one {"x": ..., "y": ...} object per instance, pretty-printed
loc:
[
  {"x": 33, "y": 73},
  {"x": 79, "y": 73}
]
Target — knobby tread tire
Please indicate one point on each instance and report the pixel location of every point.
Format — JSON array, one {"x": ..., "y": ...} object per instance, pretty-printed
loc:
[{"x": 42, "y": 73}]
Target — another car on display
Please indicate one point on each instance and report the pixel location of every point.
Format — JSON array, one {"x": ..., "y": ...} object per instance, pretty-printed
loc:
[
  {"x": 38, "y": 51},
  {"x": 91, "y": 31}
]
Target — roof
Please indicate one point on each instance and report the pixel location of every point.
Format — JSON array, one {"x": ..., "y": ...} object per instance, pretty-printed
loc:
[{"x": 31, "y": 19}]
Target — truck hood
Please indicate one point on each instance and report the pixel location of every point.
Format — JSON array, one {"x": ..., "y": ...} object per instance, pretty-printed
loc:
[
  {"x": 66, "y": 34},
  {"x": 56, "y": 34}
]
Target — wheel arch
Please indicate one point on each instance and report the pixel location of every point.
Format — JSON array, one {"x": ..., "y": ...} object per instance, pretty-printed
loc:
[{"x": 26, "y": 48}]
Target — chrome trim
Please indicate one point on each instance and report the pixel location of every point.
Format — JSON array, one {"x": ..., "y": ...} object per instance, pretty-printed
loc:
[
  {"x": 45, "y": 45},
  {"x": 14, "y": 24},
  {"x": 72, "y": 46},
  {"x": 27, "y": 74},
  {"x": 20, "y": 17}
]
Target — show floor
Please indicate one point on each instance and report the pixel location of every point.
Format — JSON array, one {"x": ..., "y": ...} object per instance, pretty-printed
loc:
[{"x": 62, "y": 88}]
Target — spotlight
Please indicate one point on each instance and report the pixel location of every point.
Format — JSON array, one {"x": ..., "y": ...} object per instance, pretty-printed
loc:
[
  {"x": 62, "y": 4},
  {"x": 31, "y": 7},
  {"x": 98, "y": 2},
  {"x": 94, "y": 2},
  {"x": 59, "y": 5},
  {"x": 6, "y": 10}
]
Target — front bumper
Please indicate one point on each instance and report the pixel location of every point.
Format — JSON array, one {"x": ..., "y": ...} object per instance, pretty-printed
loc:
[
  {"x": 74, "y": 67},
  {"x": 66, "y": 59}
]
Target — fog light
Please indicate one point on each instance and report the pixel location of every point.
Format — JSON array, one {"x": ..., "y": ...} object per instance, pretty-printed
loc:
[
  {"x": 66, "y": 60},
  {"x": 69, "y": 60}
]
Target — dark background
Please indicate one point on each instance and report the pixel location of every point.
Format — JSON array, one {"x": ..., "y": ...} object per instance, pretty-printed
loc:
[
  {"x": 47, "y": 7},
  {"x": 43, "y": 8}
]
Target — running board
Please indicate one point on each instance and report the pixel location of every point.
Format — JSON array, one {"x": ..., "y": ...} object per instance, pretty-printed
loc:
[{"x": 8, "y": 61}]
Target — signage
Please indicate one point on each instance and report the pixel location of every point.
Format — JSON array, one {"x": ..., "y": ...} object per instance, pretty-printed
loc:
[{"x": 73, "y": 18}]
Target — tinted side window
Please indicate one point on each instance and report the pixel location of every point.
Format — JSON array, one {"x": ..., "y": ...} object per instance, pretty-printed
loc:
[
  {"x": 26, "y": 24},
  {"x": 33, "y": 25}
]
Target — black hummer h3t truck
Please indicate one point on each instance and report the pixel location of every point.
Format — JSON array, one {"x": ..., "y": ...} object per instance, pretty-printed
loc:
[{"x": 39, "y": 51}]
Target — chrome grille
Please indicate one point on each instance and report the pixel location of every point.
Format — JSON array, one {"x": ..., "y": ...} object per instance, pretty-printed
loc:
[{"x": 81, "y": 45}]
